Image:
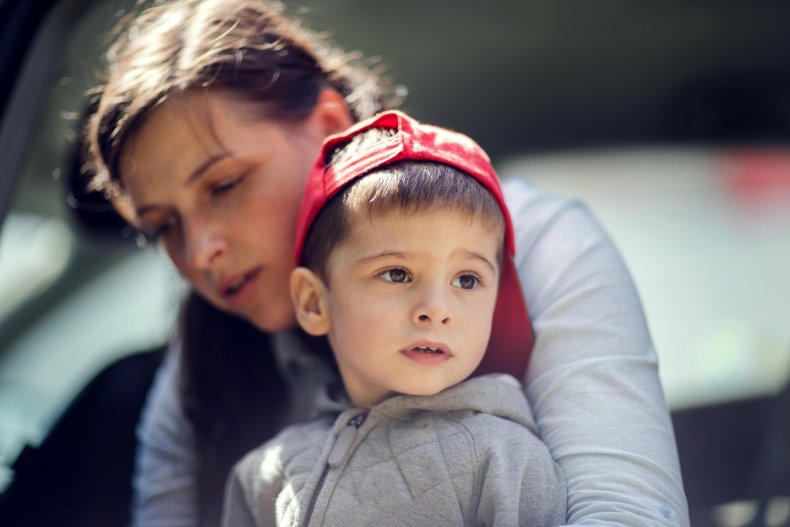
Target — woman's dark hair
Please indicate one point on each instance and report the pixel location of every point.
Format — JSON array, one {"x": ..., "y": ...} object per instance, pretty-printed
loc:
[
  {"x": 232, "y": 392},
  {"x": 245, "y": 46}
]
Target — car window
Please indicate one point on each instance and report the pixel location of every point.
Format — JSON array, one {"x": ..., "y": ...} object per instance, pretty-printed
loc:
[
  {"x": 704, "y": 232},
  {"x": 72, "y": 297}
]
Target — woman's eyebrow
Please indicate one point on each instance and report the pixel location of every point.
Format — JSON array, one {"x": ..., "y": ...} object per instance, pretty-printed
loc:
[
  {"x": 205, "y": 165},
  {"x": 145, "y": 209},
  {"x": 195, "y": 175}
]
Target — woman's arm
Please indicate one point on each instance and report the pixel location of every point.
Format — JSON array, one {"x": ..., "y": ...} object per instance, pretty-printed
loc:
[
  {"x": 164, "y": 481},
  {"x": 593, "y": 377}
]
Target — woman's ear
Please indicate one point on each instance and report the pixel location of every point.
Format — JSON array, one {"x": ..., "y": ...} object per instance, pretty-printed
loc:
[
  {"x": 309, "y": 298},
  {"x": 332, "y": 112}
]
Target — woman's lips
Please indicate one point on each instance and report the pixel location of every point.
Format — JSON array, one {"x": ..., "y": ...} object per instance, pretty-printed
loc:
[
  {"x": 428, "y": 354},
  {"x": 238, "y": 291}
]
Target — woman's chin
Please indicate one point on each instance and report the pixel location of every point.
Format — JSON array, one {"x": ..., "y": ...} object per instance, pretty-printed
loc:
[{"x": 273, "y": 321}]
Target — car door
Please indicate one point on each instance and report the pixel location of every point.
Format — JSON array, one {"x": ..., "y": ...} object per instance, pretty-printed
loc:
[{"x": 75, "y": 312}]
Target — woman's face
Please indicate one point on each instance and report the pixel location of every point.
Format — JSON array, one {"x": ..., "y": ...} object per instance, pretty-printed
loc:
[{"x": 218, "y": 187}]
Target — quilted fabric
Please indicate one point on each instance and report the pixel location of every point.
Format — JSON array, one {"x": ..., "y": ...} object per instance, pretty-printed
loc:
[{"x": 467, "y": 456}]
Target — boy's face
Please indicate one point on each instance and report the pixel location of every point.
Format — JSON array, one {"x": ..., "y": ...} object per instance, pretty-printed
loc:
[{"x": 410, "y": 299}]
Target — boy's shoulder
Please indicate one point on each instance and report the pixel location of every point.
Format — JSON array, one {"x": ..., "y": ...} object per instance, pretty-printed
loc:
[{"x": 298, "y": 443}]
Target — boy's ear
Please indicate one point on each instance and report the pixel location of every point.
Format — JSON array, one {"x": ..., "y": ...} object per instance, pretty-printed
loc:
[{"x": 309, "y": 298}]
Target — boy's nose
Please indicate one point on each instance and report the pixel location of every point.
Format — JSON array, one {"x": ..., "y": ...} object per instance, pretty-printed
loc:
[{"x": 433, "y": 310}]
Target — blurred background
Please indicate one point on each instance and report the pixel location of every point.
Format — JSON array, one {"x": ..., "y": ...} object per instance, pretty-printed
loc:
[{"x": 669, "y": 119}]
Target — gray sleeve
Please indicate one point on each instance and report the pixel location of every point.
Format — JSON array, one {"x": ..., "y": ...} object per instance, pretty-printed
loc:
[
  {"x": 164, "y": 480},
  {"x": 593, "y": 378}
]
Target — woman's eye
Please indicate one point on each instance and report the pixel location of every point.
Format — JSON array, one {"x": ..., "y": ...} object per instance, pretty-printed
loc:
[
  {"x": 154, "y": 234},
  {"x": 396, "y": 275},
  {"x": 226, "y": 186},
  {"x": 466, "y": 281}
]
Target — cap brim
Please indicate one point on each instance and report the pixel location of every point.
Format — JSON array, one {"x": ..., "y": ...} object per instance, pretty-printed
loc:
[{"x": 511, "y": 339}]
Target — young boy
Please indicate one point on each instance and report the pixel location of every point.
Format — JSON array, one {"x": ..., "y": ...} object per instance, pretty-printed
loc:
[{"x": 402, "y": 240}]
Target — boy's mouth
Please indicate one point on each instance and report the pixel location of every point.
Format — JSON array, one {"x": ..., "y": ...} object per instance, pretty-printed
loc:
[
  {"x": 428, "y": 349},
  {"x": 428, "y": 354}
]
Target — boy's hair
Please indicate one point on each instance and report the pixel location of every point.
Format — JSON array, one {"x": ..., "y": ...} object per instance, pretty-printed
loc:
[{"x": 407, "y": 186}]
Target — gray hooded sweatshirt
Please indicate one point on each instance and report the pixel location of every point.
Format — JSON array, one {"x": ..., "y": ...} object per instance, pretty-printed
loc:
[{"x": 469, "y": 455}]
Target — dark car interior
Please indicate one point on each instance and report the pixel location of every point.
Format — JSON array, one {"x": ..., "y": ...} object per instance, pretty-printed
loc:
[{"x": 534, "y": 82}]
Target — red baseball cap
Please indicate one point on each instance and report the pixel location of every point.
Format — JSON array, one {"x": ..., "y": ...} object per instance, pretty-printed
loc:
[{"x": 511, "y": 336}]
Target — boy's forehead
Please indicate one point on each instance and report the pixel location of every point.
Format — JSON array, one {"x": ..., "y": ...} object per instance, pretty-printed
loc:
[
  {"x": 371, "y": 213},
  {"x": 380, "y": 217}
]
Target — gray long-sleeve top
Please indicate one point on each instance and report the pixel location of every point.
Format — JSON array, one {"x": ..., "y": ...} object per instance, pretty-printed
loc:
[{"x": 466, "y": 456}]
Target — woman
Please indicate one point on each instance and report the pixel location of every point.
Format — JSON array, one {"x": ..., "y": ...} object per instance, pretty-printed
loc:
[{"x": 203, "y": 135}]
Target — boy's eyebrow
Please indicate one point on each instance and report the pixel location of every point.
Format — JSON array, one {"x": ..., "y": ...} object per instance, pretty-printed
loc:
[
  {"x": 478, "y": 256},
  {"x": 397, "y": 254},
  {"x": 394, "y": 254}
]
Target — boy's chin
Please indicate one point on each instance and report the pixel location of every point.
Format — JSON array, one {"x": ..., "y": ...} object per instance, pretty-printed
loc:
[{"x": 430, "y": 390}]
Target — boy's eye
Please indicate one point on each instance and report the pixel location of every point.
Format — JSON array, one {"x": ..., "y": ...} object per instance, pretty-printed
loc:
[
  {"x": 466, "y": 281},
  {"x": 396, "y": 275}
]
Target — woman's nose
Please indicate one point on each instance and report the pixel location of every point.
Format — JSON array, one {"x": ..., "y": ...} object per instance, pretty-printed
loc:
[
  {"x": 432, "y": 309},
  {"x": 203, "y": 244}
]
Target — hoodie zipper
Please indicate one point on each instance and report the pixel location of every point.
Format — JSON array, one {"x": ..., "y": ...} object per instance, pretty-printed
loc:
[{"x": 337, "y": 456}]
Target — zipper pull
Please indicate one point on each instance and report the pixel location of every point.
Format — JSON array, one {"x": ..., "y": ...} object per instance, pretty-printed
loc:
[{"x": 345, "y": 439}]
